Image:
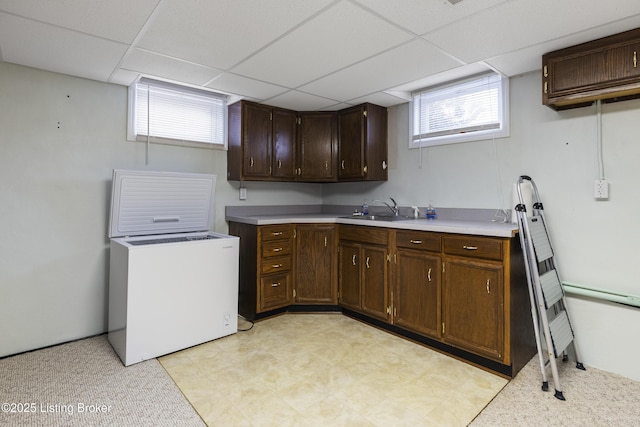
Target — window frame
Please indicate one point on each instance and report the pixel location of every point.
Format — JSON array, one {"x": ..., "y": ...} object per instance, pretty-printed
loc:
[
  {"x": 464, "y": 136},
  {"x": 133, "y": 135}
]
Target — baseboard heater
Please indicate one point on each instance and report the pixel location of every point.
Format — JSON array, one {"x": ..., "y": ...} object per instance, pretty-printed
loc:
[{"x": 602, "y": 294}]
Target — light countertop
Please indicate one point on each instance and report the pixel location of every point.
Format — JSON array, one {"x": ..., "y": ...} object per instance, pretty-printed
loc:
[{"x": 466, "y": 226}]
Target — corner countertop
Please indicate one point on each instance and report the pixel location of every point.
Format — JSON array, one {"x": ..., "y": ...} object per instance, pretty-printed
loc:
[{"x": 480, "y": 227}]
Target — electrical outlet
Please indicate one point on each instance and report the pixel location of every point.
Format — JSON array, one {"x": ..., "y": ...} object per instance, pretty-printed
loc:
[
  {"x": 243, "y": 193},
  {"x": 601, "y": 189}
]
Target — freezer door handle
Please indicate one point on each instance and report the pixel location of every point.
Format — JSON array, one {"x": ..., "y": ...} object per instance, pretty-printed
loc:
[{"x": 166, "y": 219}]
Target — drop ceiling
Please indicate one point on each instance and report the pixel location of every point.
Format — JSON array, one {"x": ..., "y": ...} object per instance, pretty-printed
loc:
[{"x": 301, "y": 54}]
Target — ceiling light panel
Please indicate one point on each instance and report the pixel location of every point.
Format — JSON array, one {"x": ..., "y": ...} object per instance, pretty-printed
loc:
[
  {"x": 221, "y": 33},
  {"x": 341, "y": 36},
  {"x": 118, "y": 20}
]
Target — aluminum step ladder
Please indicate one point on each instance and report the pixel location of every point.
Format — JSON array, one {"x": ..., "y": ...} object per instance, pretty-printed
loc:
[{"x": 548, "y": 304}]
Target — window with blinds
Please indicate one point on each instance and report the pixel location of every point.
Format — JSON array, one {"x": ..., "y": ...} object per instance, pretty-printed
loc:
[
  {"x": 173, "y": 114},
  {"x": 472, "y": 109}
]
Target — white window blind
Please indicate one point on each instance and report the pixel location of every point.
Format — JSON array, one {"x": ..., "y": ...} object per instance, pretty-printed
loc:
[
  {"x": 164, "y": 112},
  {"x": 476, "y": 108}
]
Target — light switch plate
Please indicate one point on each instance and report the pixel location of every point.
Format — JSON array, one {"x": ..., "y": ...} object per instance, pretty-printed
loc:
[{"x": 243, "y": 193}]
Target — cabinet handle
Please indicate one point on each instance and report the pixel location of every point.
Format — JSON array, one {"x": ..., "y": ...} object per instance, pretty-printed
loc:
[
  {"x": 342, "y": 164},
  {"x": 416, "y": 242},
  {"x": 251, "y": 161},
  {"x": 546, "y": 87},
  {"x": 277, "y": 233},
  {"x": 275, "y": 285},
  {"x": 488, "y": 284},
  {"x": 470, "y": 248},
  {"x": 353, "y": 260},
  {"x": 326, "y": 165},
  {"x": 277, "y": 249},
  {"x": 325, "y": 241},
  {"x": 299, "y": 171},
  {"x": 367, "y": 262},
  {"x": 279, "y": 164},
  {"x": 429, "y": 274},
  {"x": 276, "y": 265},
  {"x": 635, "y": 59}
]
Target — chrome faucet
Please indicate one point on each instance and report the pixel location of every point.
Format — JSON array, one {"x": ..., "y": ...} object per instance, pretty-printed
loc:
[{"x": 395, "y": 209}]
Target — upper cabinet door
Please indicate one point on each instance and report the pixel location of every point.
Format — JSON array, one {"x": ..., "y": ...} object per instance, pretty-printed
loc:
[
  {"x": 317, "y": 147},
  {"x": 284, "y": 144},
  {"x": 362, "y": 140},
  {"x": 256, "y": 134}
]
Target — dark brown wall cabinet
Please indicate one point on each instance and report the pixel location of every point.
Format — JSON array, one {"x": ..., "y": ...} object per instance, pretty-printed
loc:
[
  {"x": 274, "y": 144},
  {"x": 261, "y": 143},
  {"x": 605, "y": 69},
  {"x": 362, "y": 143}
]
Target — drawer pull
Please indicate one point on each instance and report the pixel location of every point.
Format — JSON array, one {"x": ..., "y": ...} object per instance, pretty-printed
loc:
[
  {"x": 275, "y": 285},
  {"x": 470, "y": 248},
  {"x": 353, "y": 260},
  {"x": 276, "y": 233},
  {"x": 367, "y": 262},
  {"x": 276, "y": 265},
  {"x": 416, "y": 242},
  {"x": 429, "y": 274},
  {"x": 277, "y": 249},
  {"x": 488, "y": 284}
]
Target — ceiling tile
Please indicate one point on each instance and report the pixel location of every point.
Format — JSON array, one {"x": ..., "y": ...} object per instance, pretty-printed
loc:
[
  {"x": 299, "y": 101},
  {"x": 152, "y": 64},
  {"x": 124, "y": 77},
  {"x": 421, "y": 16},
  {"x": 528, "y": 59},
  {"x": 221, "y": 33},
  {"x": 400, "y": 65},
  {"x": 118, "y": 20},
  {"x": 440, "y": 78},
  {"x": 504, "y": 29},
  {"x": 380, "y": 98},
  {"x": 243, "y": 86},
  {"x": 341, "y": 36},
  {"x": 55, "y": 49}
]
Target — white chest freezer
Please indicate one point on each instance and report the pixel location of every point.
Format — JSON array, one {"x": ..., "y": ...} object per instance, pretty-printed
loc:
[{"x": 172, "y": 283}]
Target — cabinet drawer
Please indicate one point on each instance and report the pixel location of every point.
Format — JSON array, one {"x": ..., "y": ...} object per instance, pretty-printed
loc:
[
  {"x": 276, "y": 248},
  {"x": 476, "y": 247},
  {"x": 274, "y": 265},
  {"x": 364, "y": 234},
  {"x": 275, "y": 232},
  {"x": 274, "y": 291},
  {"x": 418, "y": 240}
]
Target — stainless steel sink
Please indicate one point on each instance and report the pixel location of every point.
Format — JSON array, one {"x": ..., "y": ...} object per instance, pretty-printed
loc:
[{"x": 379, "y": 217}]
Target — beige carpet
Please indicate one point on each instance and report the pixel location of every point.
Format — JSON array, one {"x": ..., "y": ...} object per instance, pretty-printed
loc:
[
  {"x": 593, "y": 398},
  {"x": 83, "y": 383}
]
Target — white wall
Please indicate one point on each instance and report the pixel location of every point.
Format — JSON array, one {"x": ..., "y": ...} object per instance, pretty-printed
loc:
[
  {"x": 595, "y": 241},
  {"x": 60, "y": 139}
]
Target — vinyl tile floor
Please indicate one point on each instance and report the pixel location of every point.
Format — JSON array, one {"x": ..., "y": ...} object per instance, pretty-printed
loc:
[{"x": 327, "y": 369}]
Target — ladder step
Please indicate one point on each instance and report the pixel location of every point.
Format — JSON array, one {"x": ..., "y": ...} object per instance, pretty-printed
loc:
[
  {"x": 551, "y": 288},
  {"x": 561, "y": 333},
  {"x": 540, "y": 239}
]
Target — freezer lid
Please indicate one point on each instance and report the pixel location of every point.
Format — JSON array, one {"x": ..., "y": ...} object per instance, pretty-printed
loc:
[{"x": 148, "y": 202}]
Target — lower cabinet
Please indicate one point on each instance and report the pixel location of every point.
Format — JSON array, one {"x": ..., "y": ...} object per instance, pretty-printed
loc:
[
  {"x": 416, "y": 298},
  {"x": 364, "y": 264},
  {"x": 315, "y": 264},
  {"x": 474, "y": 307}
]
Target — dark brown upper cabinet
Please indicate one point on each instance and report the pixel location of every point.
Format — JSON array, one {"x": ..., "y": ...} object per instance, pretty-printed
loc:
[
  {"x": 605, "y": 69},
  {"x": 362, "y": 142},
  {"x": 317, "y": 147},
  {"x": 274, "y": 144},
  {"x": 261, "y": 142}
]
